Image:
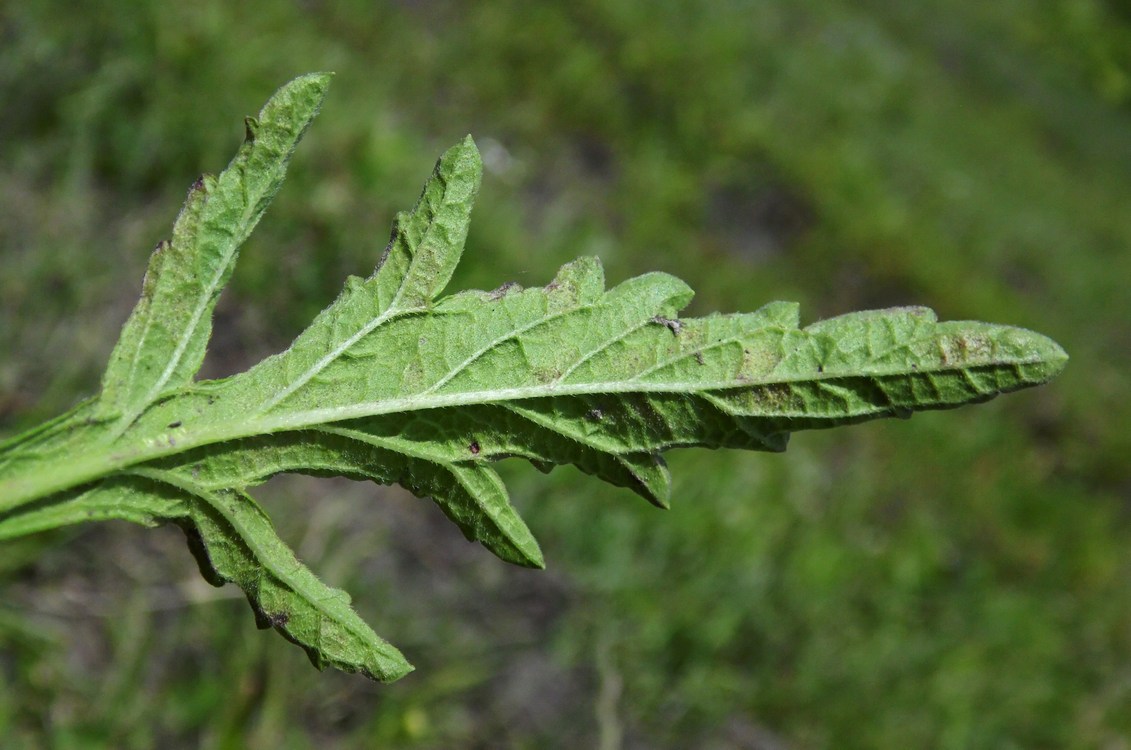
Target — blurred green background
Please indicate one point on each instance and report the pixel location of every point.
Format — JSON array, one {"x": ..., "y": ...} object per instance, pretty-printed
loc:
[{"x": 958, "y": 581}]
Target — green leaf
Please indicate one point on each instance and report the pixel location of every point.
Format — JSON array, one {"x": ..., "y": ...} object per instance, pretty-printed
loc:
[
  {"x": 395, "y": 383},
  {"x": 162, "y": 345},
  {"x": 234, "y": 541}
]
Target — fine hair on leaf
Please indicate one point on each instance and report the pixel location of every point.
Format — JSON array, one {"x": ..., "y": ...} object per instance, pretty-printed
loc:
[{"x": 399, "y": 381}]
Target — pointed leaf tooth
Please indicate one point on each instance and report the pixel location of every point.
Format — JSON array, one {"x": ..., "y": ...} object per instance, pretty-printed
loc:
[
  {"x": 577, "y": 283},
  {"x": 483, "y": 511},
  {"x": 653, "y": 480},
  {"x": 427, "y": 242},
  {"x": 469, "y": 492},
  {"x": 240, "y": 545}
]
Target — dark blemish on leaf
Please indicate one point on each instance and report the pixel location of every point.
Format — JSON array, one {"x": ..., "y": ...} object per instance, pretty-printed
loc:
[
  {"x": 279, "y": 619},
  {"x": 595, "y": 415},
  {"x": 699, "y": 358},
  {"x": 552, "y": 286},
  {"x": 503, "y": 290},
  {"x": 673, "y": 325},
  {"x": 251, "y": 126},
  {"x": 474, "y": 447},
  {"x": 174, "y": 425},
  {"x": 388, "y": 249},
  {"x": 820, "y": 368},
  {"x": 198, "y": 185}
]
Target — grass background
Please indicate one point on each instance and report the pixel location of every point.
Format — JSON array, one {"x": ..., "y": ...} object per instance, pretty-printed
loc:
[{"x": 959, "y": 580}]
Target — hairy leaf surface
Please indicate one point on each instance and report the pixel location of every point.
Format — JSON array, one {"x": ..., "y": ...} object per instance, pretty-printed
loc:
[
  {"x": 396, "y": 383},
  {"x": 162, "y": 345}
]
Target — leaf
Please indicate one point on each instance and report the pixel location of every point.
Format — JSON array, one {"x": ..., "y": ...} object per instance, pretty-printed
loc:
[
  {"x": 395, "y": 383},
  {"x": 234, "y": 542},
  {"x": 163, "y": 342}
]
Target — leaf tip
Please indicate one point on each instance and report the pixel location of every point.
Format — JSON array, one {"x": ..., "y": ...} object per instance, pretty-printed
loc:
[
  {"x": 462, "y": 164},
  {"x": 1046, "y": 358},
  {"x": 389, "y": 672},
  {"x": 468, "y": 144},
  {"x": 521, "y": 549},
  {"x": 536, "y": 560},
  {"x": 316, "y": 81},
  {"x": 296, "y": 103}
]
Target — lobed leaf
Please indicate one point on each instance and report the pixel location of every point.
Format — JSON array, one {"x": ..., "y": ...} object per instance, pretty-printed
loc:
[{"x": 395, "y": 384}]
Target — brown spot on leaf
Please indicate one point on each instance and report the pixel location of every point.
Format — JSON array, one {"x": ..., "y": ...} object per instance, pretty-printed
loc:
[
  {"x": 673, "y": 325},
  {"x": 504, "y": 290}
]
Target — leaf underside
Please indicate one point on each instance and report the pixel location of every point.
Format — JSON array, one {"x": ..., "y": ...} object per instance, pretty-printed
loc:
[{"x": 396, "y": 383}]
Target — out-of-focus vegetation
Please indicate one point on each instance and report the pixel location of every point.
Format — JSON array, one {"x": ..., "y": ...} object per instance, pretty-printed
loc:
[{"x": 959, "y": 580}]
